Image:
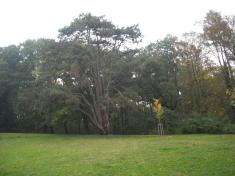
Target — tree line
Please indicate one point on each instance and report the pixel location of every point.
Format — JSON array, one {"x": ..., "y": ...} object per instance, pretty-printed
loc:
[{"x": 94, "y": 78}]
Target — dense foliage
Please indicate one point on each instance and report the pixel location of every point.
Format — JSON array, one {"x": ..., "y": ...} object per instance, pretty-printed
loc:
[{"x": 95, "y": 79}]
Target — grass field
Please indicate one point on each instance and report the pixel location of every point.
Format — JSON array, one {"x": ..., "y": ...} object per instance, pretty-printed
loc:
[{"x": 74, "y": 155}]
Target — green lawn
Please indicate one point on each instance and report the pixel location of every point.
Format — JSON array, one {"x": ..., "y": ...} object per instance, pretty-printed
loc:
[{"x": 75, "y": 155}]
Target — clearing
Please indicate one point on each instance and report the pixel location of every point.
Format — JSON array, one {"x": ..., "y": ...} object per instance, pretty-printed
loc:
[{"x": 91, "y": 155}]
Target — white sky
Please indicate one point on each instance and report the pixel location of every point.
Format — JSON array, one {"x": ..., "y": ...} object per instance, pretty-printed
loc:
[{"x": 32, "y": 19}]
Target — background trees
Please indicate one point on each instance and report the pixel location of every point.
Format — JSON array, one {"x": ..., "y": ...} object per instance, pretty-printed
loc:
[
  {"x": 94, "y": 78},
  {"x": 219, "y": 35}
]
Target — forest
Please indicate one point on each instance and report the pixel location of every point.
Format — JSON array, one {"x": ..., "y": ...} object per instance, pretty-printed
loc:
[{"x": 98, "y": 78}]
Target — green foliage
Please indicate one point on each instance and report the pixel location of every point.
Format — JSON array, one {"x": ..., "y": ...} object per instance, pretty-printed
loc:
[
  {"x": 198, "y": 123},
  {"x": 11, "y": 78},
  {"x": 95, "y": 77},
  {"x": 171, "y": 121},
  {"x": 229, "y": 129}
]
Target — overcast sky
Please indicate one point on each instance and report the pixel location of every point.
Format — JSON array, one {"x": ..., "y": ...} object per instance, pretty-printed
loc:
[{"x": 32, "y": 19}]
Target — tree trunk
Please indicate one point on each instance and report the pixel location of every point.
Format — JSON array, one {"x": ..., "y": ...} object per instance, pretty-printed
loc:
[
  {"x": 65, "y": 128},
  {"x": 44, "y": 128},
  {"x": 86, "y": 124}
]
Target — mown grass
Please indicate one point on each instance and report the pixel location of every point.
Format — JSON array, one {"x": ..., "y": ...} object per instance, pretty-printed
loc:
[{"x": 75, "y": 155}]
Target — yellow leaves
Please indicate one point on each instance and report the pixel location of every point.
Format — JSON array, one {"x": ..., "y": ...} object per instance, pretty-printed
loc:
[{"x": 157, "y": 105}]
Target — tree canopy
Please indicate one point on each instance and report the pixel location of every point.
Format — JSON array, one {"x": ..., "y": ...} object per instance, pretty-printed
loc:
[{"x": 96, "y": 79}]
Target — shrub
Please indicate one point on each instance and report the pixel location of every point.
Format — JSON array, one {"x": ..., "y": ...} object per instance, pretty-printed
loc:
[
  {"x": 199, "y": 123},
  {"x": 171, "y": 119},
  {"x": 229, "y": 129}
]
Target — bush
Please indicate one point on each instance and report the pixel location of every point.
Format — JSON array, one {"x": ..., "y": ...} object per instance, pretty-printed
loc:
[
  {"x": 171, "y": 119},
  {"x": 199, "y": 123},
  {"x": 229, "y": 129}
]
